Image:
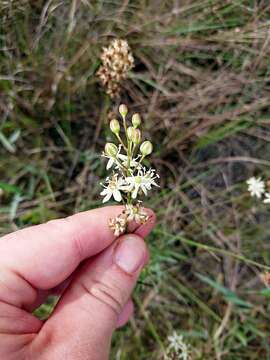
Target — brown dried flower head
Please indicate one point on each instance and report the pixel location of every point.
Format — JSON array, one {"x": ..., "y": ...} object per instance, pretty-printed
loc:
[{"x": 117, "y": 60}]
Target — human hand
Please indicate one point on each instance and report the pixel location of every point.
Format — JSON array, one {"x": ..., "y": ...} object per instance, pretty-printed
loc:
[{"x": 79, "y": 257}]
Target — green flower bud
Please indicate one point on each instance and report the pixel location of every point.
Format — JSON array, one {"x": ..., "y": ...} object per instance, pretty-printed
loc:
[
  {"x": 136, "y": 136},
  {"x": 123, "y": 110},
  {"x": 114, "y": 126},
  {"x": 111, "y": 150},
  {"x": 130, "y": 131},
  {"x": 146, "y": 148},
  {"x": 136, "y": 120}
]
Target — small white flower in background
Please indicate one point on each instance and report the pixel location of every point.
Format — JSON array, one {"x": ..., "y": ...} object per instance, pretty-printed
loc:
[
  {"x": 130, "y": 178},
  {"x": 177, "y": 347},
  {"x": 256, "y": 187},
  {"x": 267, "y": 198}
]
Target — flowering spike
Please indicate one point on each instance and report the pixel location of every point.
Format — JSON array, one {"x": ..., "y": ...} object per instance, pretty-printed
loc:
[{"x": 129, "y": 180}]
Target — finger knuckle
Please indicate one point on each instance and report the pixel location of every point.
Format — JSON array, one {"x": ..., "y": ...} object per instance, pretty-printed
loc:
[{"x": 108, "y": 294}]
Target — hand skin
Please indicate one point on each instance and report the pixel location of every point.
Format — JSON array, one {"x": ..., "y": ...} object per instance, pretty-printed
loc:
[{"x": 95, "y": 273}]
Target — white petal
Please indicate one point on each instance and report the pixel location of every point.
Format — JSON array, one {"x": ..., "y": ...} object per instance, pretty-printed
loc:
[
  {"x": 104, "y": 192},
  {"x": 147, "y": 186},
  {"x": 117, "y": 195},
  {"x": 107, "y": 197},
  {"x": 127, "y": 188},
  {"x": 122, "y": 157},
  {"x": 144, "y": 189},
  {"x": 135, "y": 192},
  {"x": 110, "y": 163}
]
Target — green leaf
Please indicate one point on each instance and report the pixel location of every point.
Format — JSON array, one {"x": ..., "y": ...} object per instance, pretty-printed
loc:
[
  {"x": 6, "y": 143},
  {"x": 228, "y": 294},
  {"x": 265, "y": 292},
  {"x": 222, "y": 132},
  {"x": 8, "y": 188}
]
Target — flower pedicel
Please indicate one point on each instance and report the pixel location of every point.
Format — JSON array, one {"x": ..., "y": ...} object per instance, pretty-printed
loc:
[{"x": 129, "y": 179}]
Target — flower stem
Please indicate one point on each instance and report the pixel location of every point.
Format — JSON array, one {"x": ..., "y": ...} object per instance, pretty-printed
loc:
[{"x": 121, "y": 141}]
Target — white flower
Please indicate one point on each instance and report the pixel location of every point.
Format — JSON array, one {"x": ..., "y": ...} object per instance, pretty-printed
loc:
[
  {"x": 118, "y": 225},
  {"x": 110, "y": 162},
  {"x": 112, "y": 159},
  {"x": 256, "y": 187},
  {"x": 136, "y": 213},
  {"x": 142, "y": 181},
  {"x": 124, "y": 159},
  {"x": 114, "y": 188},
  {"x": 119, "y": 158},
  {"x": 178, "y": 346},
  {"x": 267, "y": 198}
]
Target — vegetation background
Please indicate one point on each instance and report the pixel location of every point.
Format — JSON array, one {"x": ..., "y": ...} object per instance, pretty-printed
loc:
[{"x": 201, "y": 83}]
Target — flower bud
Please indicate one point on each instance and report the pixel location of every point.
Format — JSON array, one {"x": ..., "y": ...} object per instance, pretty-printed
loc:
[
  {"x": 136, "y": 136},
  {"x": 136, "y": 120},
  {"x": 146, "y": 148},
  {"x": 123, "y": 110},
  {"x": 114, "y": 126},
  {"x": 111, "y": 150},
  {"x": 130, "y": 131}
]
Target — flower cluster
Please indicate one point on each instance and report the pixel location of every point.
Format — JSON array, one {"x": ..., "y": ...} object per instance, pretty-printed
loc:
[
  {"x": 117, "y": 60},
  {"x": 177, "y": 348},
  {"x": 129, "y": 179},
  {"x": 258, "y": 188}
]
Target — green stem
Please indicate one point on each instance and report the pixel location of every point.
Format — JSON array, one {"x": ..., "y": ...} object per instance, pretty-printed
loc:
[
  {"x": 140, "y": 161},
  {"x": 125, "y": 124},
  {"x": 133, "y": 150},
  {"x": 121, "y": 165},
  {"x": 121, "y": 141},
  {"x": 129, "y": 154}
]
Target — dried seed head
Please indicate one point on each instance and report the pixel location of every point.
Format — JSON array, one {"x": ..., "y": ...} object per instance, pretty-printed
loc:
[
  {"x": 146, "y": 148},
  {"x": 136, "y": 120},
  {"x": 116, "y": 60},
  {"x": 123, "y": 110},
  {"x": 114, "y": 126},
  {"x": 111, "y": 149}
]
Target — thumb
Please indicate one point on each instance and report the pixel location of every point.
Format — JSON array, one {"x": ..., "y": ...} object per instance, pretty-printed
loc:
[{"x": 93, "y": 303}]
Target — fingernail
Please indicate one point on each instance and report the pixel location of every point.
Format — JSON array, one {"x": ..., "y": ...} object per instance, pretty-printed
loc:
[{"x": 130, "y": 254}]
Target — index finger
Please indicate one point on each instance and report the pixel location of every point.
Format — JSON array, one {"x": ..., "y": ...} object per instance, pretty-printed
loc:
[{"x": 45, "y": 255}]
